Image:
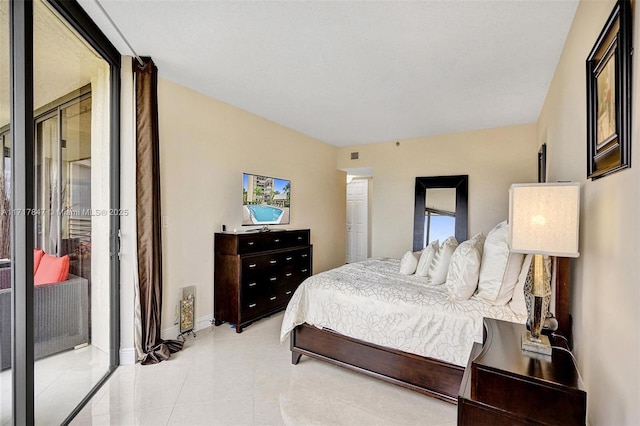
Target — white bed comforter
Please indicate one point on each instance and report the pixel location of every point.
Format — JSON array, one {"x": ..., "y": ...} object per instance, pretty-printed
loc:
[{"x": 371, "y": 301}]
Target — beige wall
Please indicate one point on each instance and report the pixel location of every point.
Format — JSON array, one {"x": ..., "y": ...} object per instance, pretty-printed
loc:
[
  {"x": 205, "y": 146},
  {"x": 606, "y": 292},
  {"x": 493, "y": 159}
]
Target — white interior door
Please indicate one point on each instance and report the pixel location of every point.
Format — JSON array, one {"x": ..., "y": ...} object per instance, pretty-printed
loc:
[{"x": 357, "y": 220}]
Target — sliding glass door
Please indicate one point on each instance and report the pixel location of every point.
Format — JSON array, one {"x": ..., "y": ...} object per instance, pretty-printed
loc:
[
  {"x": 63, "y": 179},
  {"x": 62, "y": 291},
  {"x": 6, "y": 340}
]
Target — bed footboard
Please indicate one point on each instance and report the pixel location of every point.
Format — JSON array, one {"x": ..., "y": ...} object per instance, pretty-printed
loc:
[{"x": 425, "y": 375}]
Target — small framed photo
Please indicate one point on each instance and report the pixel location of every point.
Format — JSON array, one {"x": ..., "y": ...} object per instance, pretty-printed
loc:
[
  {"x": 609, "y": 96},
  {"x": 542, "y": 164}
]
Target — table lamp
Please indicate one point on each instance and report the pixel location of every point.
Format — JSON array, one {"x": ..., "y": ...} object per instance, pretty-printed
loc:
[{"x": 543, "y": 221}]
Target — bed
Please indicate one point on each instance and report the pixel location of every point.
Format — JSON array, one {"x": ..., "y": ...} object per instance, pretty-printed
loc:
[{"x": 357, "y": 316}]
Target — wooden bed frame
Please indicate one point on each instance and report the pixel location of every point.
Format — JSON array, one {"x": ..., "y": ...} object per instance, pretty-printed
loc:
[{"x": 425, "y": 375}]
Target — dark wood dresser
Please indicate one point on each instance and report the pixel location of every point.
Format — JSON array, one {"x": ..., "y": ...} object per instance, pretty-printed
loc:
[
  {"x": 503, "y": 386},
  {"x": 256, "y": 273}
]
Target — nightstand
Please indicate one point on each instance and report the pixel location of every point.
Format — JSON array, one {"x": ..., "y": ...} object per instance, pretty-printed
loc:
[{"x": 503, "y": 386}]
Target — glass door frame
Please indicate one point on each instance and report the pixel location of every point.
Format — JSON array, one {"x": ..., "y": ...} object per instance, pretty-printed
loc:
[
  {"x": 54, "y": 110},
  {"x": 22, "y": 135}
]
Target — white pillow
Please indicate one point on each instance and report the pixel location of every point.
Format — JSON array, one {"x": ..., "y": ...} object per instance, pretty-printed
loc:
[
  {"x": 408, "y": 264},
  {"x": 511, "y": 273},
  {"x": 440, "y": 264},
  {"x": 517, "y": 304},
  {"x": 464, "y": 269},
  {"x": 500, "y": 268},
  {"x": 425, "y": 259}
]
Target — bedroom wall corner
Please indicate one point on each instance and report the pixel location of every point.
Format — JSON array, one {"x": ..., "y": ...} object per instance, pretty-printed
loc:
[
  {"x": 606, "y": 295},
  {"x": 205, "y": 146},
  {"x": 493, "y": 159}
]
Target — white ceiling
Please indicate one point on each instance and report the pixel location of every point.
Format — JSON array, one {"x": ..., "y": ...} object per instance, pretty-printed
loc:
[{"x": 352, "y": 72}]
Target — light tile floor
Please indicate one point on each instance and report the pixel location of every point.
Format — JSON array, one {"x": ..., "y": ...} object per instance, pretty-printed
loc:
[
  {"x": 224, "y": 378},
  {"x": 61, "y": 382}
]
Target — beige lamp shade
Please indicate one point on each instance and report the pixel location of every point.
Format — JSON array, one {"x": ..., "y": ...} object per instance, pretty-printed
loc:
[{"x": 544, "y": 218}]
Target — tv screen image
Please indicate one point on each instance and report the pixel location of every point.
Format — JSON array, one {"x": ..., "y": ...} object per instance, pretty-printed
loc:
[{"x": 265, "y": 200}]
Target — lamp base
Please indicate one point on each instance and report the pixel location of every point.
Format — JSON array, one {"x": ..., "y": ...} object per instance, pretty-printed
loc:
[{"x": 539, "y": 346}]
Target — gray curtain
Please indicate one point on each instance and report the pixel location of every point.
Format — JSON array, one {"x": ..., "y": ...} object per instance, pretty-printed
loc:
[{"x": 148, "y": 214}]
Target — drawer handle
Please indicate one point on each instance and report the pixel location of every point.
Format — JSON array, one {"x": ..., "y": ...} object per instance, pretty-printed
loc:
[
  {"x": 305, "y": 255},
  {"x": 304, "y": 270},
  {"x": 289, "y": 258},
  {"x": 289, "y": 274},
  {"x": 252, "y": 284},
  {"x": 272, "y": 298},
  {"x": 253, "y": 265},
  {"x": 277, "y": 240},
  {"x": 273, "y": 262},
  {"x": 289, "y": 292},
  {"x": 272, "y": 279},
  {"x": 299, "y": 238},
  {"x": 253, "y": 305},
  {"x": 250, "y": 243}
]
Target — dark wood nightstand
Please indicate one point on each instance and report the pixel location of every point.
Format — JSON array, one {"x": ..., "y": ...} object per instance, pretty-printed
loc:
[{"x": 503, "y": 386}]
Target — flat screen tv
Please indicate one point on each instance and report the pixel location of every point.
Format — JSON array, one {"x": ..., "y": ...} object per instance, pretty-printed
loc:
[{"x": 265, "y": 200}]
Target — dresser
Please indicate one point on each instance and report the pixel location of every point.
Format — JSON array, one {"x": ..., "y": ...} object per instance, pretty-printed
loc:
[
  {"x": 504, "y": 386},
  {"x": 256, "y": 273}
]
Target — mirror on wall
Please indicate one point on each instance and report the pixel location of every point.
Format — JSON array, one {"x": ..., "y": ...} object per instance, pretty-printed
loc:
[
  {"x": 439, "y": 214},
  {"x": 440, "y": 209}
]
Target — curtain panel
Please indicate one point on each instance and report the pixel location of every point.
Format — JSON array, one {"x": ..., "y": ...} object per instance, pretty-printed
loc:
[{"x": 148, "y": 215}]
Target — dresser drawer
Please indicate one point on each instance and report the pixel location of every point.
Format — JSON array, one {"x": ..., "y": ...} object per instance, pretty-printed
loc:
[
  {"x": 250, "y": 243},
  {"x": 253, "y": 308},
  {"x": 261, "y": 282},
  {"x": 297, "y": 238},
  {"x": 287, "y": 292},
  {"x": 297, "y": 257},
  {"x": 266, "y": 301},
  {"x": 254, "y": 285},
  {"x": 290, "y": 276},
  {"x": 275, "y": 299},
  {"x": 295, "y": 275},
  {"x": 261, "y": 263},
  {"x": 304, "y": 256},
  {"x": 258, "y": 300},
  {"x": 304, "y": 271},
  {"x": 274, "y": 240},
  {"x": 297, "y": 266}
]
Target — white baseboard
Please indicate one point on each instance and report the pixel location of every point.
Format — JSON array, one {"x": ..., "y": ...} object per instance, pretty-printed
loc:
[
  {"x": 127, "y": 356},
  {"x": 172, "y": 332}
]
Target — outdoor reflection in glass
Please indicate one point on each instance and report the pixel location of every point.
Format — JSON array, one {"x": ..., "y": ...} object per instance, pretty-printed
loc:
[{"x": 440, "y": 211}]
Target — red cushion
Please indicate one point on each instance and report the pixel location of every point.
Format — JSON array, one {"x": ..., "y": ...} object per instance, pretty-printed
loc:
[
  {"x": 52, "y": 270},
  {"x": 37, "y": 257}
]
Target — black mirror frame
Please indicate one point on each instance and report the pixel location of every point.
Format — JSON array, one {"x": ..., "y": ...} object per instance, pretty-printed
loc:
[{"x": 461, "y": 185}]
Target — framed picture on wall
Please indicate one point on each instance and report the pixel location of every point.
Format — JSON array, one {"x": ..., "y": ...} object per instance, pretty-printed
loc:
[
  {"x": 609, "y": 96},
  {"x": 542, "y": 164}
]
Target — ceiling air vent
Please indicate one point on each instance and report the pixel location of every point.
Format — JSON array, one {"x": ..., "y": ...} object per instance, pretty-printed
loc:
[{"x": 354, "y": 155}]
